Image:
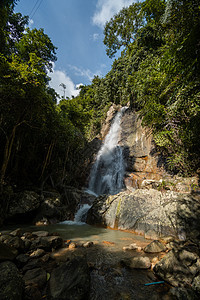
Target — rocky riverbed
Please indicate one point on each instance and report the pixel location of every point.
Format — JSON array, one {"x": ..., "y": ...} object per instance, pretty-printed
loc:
[{"x": 39, "y": 265}]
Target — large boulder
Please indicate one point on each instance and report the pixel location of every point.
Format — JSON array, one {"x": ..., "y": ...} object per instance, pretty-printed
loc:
[
  {"x": 57, "y": 207},
  {"x": 14, "y": 242},
  {"x": 47, "y": 243},
  {"x": 168, "y": 213},
  {"x": 11, "y": 282},
  {"x": 70, "y": 280},
  {"x": 23, "y": 204},
  {"x": 139, "y": 262},
  {"x": 155, "y": 247},
  {"x": 180, "y": 267}
]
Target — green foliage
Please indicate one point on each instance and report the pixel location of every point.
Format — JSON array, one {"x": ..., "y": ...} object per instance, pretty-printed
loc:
[
  {"x": 37, "y": 42},
  {"x": 158, "y": 72},
  {"x": 120, "y": 30},
  {"x": 38, "y": 141}
]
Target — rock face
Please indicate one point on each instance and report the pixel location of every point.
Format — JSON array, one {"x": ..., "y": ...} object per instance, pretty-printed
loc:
[
  {"x": 168, "y": 213},
  {"x": 145, "y": 168}
]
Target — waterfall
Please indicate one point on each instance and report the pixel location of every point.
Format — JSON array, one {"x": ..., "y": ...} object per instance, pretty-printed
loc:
[
  {"x": 80, "y": 216},
  {"x": 107, "y": 173},
  {"x": 108, "y": 170}
]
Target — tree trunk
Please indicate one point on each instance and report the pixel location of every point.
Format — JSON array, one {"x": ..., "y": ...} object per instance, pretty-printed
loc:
[
  {"x": 47, "y": 158},
  {"x": 7, "y": 154}
]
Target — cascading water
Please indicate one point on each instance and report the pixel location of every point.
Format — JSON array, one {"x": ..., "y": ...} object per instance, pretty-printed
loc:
[
  {"x": 108, "y": 171},
  {"x": 80, "y": 216}
]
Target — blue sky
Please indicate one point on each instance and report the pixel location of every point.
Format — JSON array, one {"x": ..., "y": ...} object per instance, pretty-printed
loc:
[{"x": 76, "y": 28}]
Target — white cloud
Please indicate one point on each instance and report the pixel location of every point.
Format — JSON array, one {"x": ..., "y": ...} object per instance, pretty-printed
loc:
[
  {"x": 30, "y": 23},
  {"x": 58, "y": 77},
  {"x": 95, "y": 36},
  {"x": 85, "y": 72},
  {"x": 106, "y": 9},
  {"x": 79, "y": 85}
]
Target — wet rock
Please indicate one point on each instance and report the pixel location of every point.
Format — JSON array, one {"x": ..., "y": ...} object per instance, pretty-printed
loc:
[
  {"x": 11, "y": 283},
  {"x": 154, "y": 261},
  {"x": 47, "y": 243},
  {"x": 15, "y": 242},
  {"x": 51, "y": 242},
  {"x": 17, "y": 232},
  {"x": 183, "y": 293},
  {"x": 61, "y": 206},
  {"x": 133, "y": 246},
  {"x": 167, "y": 239},
  {"x": 32, "y": 293},
  {"x": 4, "y": 237},
  {"x": 88, "y": 244},
  {"x": 37, "y": 253},
  {"x": 130, "y": 247},
  {"x": 40, "y": 233},
  {"x": 32, "y": 264},
  {"x": 6, "y": 252},
  {"x": 23, "y": 203},
  {"x": 27, "y": 235},
  {"x": 36, "y": 277},
  {"x": 137, "y": 262},
  {"x": 35, "y": 243},
  {"x": 196, "y": 284},
  {"x": 27, "y": 244},
  {"x": 140, "y": 263},
  {"x": 155, "y": 247},
  {"x": 50, "y": 208},
  {"x": 70, "y": 280},
  {"x": 45, "y": 258},
  {"x": 72, "y": 246},
  {"x": 22, "y": 259}
]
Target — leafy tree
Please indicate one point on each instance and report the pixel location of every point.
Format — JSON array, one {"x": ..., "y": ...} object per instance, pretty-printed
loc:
[
  {"x": 121, "y": 29},
  {"x": 37, "y": 140},
  {"x": 159, "y": 68}
]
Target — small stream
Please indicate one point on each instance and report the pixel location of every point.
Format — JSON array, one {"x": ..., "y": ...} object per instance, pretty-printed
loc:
[{"x": 82, "y": 232}]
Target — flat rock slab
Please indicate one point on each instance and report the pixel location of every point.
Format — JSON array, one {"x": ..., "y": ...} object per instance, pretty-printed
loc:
[
  {"x": 40, "y": 233},
  {"x": 70, "y": 280}
]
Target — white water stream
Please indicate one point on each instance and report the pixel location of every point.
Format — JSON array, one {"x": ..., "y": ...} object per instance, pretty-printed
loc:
[
  {"x": 107, "y": 173},
  {"x": 108, "y": 170}
]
